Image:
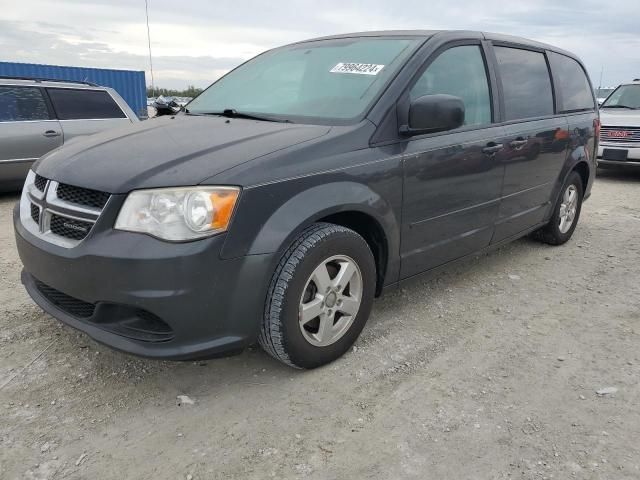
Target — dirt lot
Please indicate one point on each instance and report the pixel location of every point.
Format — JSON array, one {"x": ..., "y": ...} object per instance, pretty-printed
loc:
[{"x": 489, "y": 371}]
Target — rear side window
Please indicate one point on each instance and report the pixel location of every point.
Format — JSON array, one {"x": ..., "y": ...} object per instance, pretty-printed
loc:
[
  {"x": 572, "y": 83},
  {"x": 72, "y": 104},
  {"x": 19, "y": 104},
  {"x": 526, "y": 84}
]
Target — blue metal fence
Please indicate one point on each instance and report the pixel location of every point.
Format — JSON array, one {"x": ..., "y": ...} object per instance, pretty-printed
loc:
[{"x": 129, "y": 84}]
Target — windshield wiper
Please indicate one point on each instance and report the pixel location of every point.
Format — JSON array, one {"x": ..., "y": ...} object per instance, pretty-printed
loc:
[
  {"x": 619, "y": 106},
  {"x": 232, "y": 113}
]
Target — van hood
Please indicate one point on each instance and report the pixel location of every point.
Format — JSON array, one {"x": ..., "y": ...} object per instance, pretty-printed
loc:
[
  {"x": 169, "y": 151},
  {"x": 610, "y": 117}
]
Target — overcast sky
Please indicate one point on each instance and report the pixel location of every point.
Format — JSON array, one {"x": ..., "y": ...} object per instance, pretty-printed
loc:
[{"x": 196, "y": 41}]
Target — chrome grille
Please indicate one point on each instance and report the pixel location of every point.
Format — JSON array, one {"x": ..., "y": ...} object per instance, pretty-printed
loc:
[
  {"x": 82, "y": 196},
  {"x": 619, "y": 135},
  {"x": 35, "y": 213},
  {"x": 69, "y": 227},
  {"x": 59, "y": 213},
  {"x": 40, "y": 183}
]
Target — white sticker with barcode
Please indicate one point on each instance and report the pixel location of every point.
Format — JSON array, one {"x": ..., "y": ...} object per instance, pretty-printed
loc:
[{"x": 357, "y": 68}]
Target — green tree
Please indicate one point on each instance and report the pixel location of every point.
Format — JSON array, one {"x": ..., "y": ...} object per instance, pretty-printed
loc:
[{"x": 191, "y": 91}]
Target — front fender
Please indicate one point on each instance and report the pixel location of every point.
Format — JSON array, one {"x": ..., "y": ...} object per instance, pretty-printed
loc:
[{"x": 270, "y": 216}]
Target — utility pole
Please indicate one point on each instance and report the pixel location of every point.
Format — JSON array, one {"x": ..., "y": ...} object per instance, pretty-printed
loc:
[
  {"x": 601, "y": 72},
  {"x": 153, "y": 86}
]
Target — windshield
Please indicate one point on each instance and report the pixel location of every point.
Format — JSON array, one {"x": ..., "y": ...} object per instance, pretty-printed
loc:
[
  {"x": 625, "y": 96},
  {"x": 329, "y": 79},
  {"x": 603, "y": 92}
]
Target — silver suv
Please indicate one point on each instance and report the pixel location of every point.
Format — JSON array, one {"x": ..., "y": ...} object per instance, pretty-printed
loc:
[
  {"x": 620, "y": 131},
  {"x": 37, "y": 116}
]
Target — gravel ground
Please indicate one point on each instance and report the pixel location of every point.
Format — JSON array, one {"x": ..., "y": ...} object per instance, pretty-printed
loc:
[{"x": 489, "y": 371}]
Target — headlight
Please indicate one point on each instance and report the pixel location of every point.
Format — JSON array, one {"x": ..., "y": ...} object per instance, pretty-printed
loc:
[{"x": 178, "y": 214}]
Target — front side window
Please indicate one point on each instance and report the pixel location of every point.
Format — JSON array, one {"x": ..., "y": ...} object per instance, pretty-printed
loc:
[
  {"x": 71, "y": 104},
  {"x": 526, "y": 84},
  {"x": 624, "y": 97},
  {"x": 329, "y": 80},
  {"x": 19, "y": 104},
  {"x": 461, "y": 72},
  {"x": 572, "y": 82}
]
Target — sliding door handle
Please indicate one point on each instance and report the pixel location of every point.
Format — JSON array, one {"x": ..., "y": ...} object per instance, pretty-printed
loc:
[
  {"x": 492, "y": 148},
  {"x": 518, "y": 143}
]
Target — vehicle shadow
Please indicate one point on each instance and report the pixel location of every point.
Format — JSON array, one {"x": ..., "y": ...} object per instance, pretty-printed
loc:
[{"x": 9, "y": 197}]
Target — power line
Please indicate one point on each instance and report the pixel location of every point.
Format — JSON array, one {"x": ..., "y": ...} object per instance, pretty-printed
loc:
[{"x": 146, "y": 8}]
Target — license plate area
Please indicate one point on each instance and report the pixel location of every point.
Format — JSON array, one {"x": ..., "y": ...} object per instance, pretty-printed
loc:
[{"x": 615, "y": 154}]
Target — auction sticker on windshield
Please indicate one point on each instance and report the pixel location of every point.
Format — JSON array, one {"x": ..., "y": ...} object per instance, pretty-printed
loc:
[{"x": 357, "y": 68}]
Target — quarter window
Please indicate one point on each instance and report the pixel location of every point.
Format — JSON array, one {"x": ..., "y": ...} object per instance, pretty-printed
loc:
[
  {"x": 19, "y": 104},
  {"x": 526, "y": 84},
  {"x": 572, "y": 82},
  {"x": 72, "y": 104},
  {"x": 459, "y": 71}
]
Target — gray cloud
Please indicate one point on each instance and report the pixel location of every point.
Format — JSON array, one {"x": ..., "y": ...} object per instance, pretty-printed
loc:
[
  {"x": 49, "y": 48},
  {"x": 196, "y": 41}
]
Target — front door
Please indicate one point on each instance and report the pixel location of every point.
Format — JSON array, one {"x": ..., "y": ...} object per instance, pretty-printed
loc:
[{"x": 452, "y": 180}]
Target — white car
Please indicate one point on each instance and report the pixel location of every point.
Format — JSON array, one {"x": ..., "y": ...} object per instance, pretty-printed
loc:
[
  {"x": 602, "y": 93},
  {"x": 620, "y": 127}
]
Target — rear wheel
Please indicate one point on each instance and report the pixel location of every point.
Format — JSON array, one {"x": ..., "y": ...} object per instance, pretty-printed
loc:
[
  {"x": 320, "y": 297},
  {"x": 566, "y": 213}
]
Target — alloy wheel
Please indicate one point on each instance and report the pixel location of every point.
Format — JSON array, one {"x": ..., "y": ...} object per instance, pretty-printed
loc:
[
  {"x": 330, "y": 300},
  {"x": 568, "y": 208}
]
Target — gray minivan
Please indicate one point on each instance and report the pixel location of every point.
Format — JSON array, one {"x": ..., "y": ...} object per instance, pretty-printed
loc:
[
  {"x": 303, "y": 184},
  {"x": 37, "y": 116}
]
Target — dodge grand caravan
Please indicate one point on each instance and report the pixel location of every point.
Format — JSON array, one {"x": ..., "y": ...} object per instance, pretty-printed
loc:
[{"x": 303, "y": 184}]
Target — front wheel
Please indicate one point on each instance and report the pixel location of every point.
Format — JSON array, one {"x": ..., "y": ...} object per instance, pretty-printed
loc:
[
  {"x": 320, "y": 297},
  {"x": 566, "y": 213}
]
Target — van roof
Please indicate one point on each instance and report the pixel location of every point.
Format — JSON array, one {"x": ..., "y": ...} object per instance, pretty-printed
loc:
[{"x": 452, "y": 34}]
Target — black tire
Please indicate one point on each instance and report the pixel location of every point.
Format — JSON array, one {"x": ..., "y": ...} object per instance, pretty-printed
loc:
[
  {"x": 551, "y": 233},
  {"x": 280, "y": 334}
]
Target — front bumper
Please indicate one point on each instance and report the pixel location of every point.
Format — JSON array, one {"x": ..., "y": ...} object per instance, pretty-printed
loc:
[
  {"x": 633, "y": 155},
  {"x": 148, "y": 297}
]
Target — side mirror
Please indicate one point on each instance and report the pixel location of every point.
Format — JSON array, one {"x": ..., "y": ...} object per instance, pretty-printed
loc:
[{"x": 434, "y": 113}]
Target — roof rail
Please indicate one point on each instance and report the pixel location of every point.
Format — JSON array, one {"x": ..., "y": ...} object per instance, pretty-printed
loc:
[{"x": 39, "y": 79}]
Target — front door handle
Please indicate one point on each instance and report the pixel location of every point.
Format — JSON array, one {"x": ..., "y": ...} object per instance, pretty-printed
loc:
[
  {"x": 492, "y": 148},
  {"x": 51, "y": 133}
]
